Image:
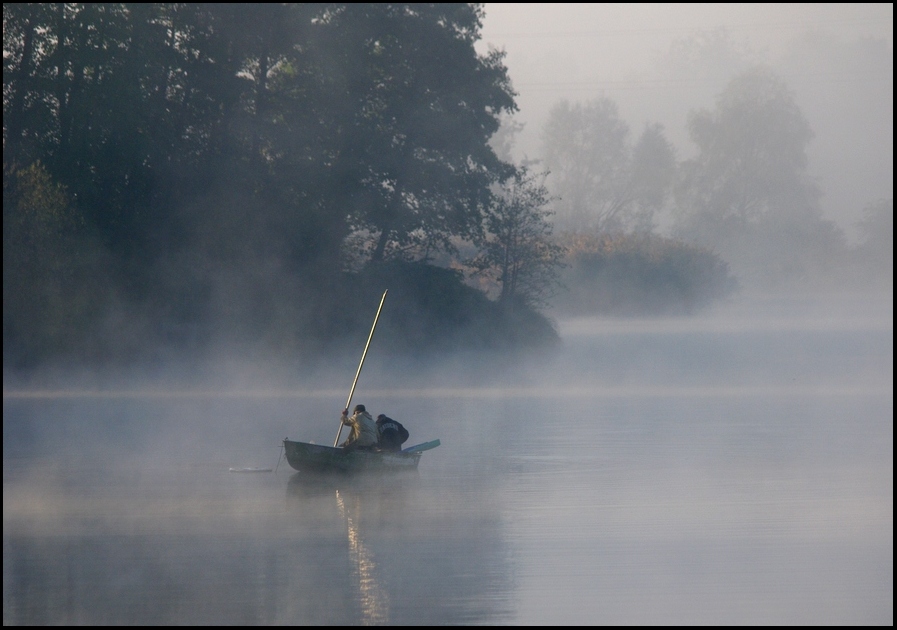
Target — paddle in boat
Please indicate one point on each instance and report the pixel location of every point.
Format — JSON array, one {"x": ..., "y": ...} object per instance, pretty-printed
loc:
[{"x": 307, "y": 456}]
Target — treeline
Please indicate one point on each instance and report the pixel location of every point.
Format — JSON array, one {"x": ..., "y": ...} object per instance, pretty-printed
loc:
[{"x": 180, "y": 175}]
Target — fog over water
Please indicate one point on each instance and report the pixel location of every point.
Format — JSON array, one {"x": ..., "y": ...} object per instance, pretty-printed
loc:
[{"x": 733, "y": 468}]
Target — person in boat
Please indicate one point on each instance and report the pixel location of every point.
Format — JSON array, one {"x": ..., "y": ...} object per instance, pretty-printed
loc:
[
  {"x": 392, "y": 433},
  {"x": 364, "y": 434}
]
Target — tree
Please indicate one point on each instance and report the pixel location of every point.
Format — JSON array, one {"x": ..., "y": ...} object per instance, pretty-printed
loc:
[
  {"x": 747, "y": 193},
  {"x": 393, "y": 112},
  {"x": 601, "y": 181},
  {"x": 48, "y": 292},
  {"x": 702, "y": 63},
  {"x": 876, "y": 250},
  {"x": 519, "y": 255},
  {"x": 586, "y": 149},
  {"x": 653, "y": 175}
]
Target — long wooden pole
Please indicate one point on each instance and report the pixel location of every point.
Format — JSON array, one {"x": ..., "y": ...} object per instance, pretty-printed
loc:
[{"x": 363, "y": 355}]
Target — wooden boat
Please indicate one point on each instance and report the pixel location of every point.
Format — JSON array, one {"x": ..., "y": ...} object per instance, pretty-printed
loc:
[{"x": 304, "y": 456}]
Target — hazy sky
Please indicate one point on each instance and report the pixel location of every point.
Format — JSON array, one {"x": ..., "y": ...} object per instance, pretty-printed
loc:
[{"x": 584, "y": 51}]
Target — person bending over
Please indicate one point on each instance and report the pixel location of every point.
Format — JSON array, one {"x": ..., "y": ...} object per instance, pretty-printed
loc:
[{"x": 392, "y": 433}]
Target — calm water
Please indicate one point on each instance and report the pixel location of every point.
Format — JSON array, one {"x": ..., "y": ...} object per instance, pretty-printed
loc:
[{"x": 735, "y": 469}]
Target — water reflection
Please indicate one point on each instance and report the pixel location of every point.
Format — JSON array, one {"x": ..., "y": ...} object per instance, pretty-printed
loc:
[
  {"x": 374, "y": 600},
  {"x": 362, "y": 503},
  {"x": 411, "y": 554}
]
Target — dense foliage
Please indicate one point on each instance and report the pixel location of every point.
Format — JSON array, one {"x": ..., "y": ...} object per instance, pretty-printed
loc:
[
  {"x": 207, "y": 164},
  {"x": 433, "y": 308}
]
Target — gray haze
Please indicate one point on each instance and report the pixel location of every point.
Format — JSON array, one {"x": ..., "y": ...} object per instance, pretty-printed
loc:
[{"x": 659, "y": 61}]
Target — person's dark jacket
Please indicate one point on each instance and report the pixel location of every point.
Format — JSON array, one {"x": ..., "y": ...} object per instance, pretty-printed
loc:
[{"x": 392, "y": 433}]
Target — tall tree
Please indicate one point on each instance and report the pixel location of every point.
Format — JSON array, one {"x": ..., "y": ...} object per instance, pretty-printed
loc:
[
  {"x": 586, "y": 150},
  {"x": 652, "y": 176},
  {"x": 602, "y": 182},
  {"x": 421, "y": 105},
  {"x": 383, "y": 119},
  {"x": 747, "y": 193}
]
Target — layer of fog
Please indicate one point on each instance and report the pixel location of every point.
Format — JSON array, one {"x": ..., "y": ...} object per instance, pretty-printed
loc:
[{"x": 360, "y": 370}]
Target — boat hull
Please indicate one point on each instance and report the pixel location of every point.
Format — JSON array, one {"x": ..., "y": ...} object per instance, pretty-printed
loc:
[{"x": 304, "y": 456}]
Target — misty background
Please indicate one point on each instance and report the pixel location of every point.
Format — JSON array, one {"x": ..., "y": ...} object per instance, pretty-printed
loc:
[{"x": 660, "y": 61}]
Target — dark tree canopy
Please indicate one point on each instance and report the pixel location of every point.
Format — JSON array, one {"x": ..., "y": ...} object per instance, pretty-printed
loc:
[
  {"x": 200, "y": 142},
  {"x": 354, "y": 117},
  {"x": 425, "y": 108}
]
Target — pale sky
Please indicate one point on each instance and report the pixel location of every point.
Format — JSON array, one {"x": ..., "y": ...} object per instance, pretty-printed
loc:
[{"x": 584, "y": 51}]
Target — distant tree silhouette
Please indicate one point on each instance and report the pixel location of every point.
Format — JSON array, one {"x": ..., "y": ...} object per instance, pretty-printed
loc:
[
  {"x": 602, "y": 183},
  {"x": 747, "y": 193},
  {"x": 876, "y": 249}
]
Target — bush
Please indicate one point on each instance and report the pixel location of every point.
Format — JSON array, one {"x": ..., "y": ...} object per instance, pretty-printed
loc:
[{"x": 640, "y": 275}]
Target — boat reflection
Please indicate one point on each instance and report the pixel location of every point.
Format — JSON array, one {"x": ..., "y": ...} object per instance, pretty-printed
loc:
[
  {"x": 373, "y": 598},
  {"x": 314, "y": 483},
  {"x": 367, "y": 505},
  {"x": 395, "y": 548}
]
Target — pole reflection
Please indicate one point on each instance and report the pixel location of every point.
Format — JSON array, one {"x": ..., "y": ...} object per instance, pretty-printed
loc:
[
  {"x": 369, "y": 508},
  {"x": 372, "y": 597}
]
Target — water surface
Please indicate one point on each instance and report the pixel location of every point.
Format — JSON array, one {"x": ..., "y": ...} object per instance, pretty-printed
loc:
[{"x": 732, "y": 470}]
